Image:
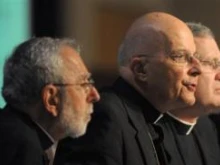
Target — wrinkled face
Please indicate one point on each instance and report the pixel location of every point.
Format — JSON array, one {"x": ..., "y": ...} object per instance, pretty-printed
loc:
[
  {"x": 173, "y": 76},
  {"x": 79, "y": 94},
  {"x": 208, "y": 90}
]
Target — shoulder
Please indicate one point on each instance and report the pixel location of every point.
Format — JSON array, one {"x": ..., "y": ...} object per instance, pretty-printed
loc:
[
  {"x": 18, "y": 142},
  {"x": 206, "y": 128},
  {"x": 109, "y": 96},
  {"x": 111, "y": 103},
  {"x": 205, "y": 121},
  {"x": 15, "y": 130}
]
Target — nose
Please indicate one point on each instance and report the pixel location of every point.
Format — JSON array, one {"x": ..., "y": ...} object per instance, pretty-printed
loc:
[
  {"x": 93, "y": 95},
  {"x": 217, "y": 76},
  {"x": 195, "y": 67}
]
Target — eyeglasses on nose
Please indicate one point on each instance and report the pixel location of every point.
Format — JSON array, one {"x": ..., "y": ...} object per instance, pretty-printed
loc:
[
  {"x": 181, "y": 57},
  {"x": 212, "y": 63},
  {"x": 89, "y": 83}
]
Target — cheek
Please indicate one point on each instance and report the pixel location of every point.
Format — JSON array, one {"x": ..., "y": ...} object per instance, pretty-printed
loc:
[
  {"x": 205, "y": 80},
  {"x": 79, "y": 102},
  {"x": 175, "y": 76},
  {"x": 181, "y": 74},
  {"x": 170, "y": 75},
  {"x": 205, "y": 85},
  {"x": 74, "y": 99}
]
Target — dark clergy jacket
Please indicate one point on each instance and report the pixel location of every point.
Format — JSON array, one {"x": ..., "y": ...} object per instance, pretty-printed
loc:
[
  {"x": 181, "y": 146},
  {"x": 118, "y": 133},
  {"x": 22, "y": 142},
  {"x": 215, "y": 118}
]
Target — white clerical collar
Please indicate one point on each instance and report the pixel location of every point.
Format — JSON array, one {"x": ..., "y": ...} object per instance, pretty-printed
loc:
[
  {"x": 190, "y": 125},
  {"x": 158, "y": 118}
]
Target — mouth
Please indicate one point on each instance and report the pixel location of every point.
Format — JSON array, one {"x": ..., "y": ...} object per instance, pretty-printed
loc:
[
  {"x": 89, "y": 118},
  {"x": 90, "y": 114},
  {"x": 91, "y": 111},
  {"x": 190, "y": 86}
]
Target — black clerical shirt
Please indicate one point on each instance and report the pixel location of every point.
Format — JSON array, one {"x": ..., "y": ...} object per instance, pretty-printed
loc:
[{"x": 181, "y": 144}]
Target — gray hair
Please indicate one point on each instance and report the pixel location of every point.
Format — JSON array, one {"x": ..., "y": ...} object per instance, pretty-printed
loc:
[
  {"x": 31, "y": 66},
  {"x": 200, "y": 30}
]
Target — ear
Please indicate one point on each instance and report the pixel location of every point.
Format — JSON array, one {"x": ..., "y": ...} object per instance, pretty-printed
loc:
[
  {"x": 139, "y": 68},
  {"x": 50, "y": 98}
]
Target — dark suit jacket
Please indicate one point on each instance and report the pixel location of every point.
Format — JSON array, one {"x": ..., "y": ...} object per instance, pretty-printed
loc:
[
  {"x": 22, "y": 142},
  {"x": 118, "y": 133},
  {"x": 215, "y": 118},
  {"x": 204, "y": 134}
]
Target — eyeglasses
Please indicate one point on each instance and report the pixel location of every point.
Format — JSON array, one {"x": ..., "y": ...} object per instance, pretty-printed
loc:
[
  {"x": 213, "y": 63},
  {"x": 181, "y": 56},
  {"x": 89, "y": 84}
]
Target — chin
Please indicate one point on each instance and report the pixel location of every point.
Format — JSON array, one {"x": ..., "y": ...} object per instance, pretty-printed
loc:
[
  {"x": 78, "y": 134},
  {"x": 80, "y": 130},
  {"x": 189, "y": 100}
]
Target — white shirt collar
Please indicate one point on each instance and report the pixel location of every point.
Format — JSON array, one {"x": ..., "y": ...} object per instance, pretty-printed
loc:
[
  {"x": 191, "y": 125},
  {"x": 158, "y": 118}
]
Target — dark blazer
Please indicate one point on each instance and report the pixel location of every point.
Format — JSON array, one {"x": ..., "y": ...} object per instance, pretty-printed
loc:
[
  {"x": 118, "y": 133},
  {"x": 22, "y": 142},
  {"x": 204, "y": 135},
  {"x": 215, "y": 118}
]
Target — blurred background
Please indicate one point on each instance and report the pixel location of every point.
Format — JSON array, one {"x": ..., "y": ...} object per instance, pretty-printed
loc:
[{"x": 98, "y": 25}]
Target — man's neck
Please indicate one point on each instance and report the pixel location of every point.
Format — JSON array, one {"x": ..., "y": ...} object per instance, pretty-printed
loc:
[{"x": 189, "y": 115}]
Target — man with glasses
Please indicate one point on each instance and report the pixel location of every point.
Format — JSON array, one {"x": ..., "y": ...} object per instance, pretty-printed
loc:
[
  {"x": 190, "y": 137},
  {"x": 157, "y": 73},
  {"x": 49, "y": 94}
]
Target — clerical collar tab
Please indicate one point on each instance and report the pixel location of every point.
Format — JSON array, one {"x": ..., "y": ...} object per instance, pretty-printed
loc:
[
  {"x": 158, "y": 118},
  {"x": 182, "y": 127}
]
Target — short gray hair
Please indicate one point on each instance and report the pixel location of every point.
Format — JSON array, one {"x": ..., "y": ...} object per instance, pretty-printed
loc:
[
  {"x": 31, "y": 66},
  {"x": 200, "y": 30}
]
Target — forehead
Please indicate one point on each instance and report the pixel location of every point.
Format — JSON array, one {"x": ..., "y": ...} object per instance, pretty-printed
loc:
[
  {"x": 207, "y": 47},
  {"x": 72, "y": 61},
  {"x": 182, "y": 40}
]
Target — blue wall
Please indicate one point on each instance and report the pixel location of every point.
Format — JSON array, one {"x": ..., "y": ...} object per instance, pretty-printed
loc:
[{"x": 14, "y": 28}]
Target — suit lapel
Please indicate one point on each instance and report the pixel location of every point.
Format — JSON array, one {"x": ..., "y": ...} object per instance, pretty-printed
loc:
[
  {"x": 143, "y": 136},
  {"x": 134, "y": 105}
]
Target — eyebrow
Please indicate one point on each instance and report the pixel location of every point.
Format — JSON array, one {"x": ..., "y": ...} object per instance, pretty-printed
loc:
[
  {"x": 181, "y": 51},
  {"x": 86, "y": 76}
]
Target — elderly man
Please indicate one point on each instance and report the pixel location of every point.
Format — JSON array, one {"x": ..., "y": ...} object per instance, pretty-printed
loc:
[
  {"x": 49, "y": 94},
  {"x": 157, "y": 73},
  {"x": 187, "y": 139}
]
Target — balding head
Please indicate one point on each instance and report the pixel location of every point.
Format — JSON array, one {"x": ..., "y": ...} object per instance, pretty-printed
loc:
[
  {"x": 151, "y": 34},
  {"x": 156, "y": 58}
]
